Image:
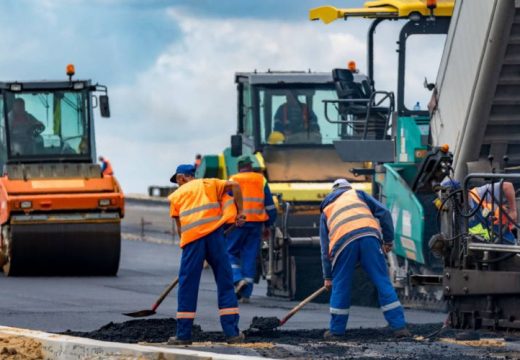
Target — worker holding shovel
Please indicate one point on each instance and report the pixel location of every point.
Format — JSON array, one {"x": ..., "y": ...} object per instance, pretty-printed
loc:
[
  {"x": 355, "y": 227},
  {"x": 199, "y": 210}
]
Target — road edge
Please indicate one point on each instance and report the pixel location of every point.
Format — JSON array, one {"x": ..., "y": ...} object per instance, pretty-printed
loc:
[
  {"x": 140, "y": 199},
  {"x": 54, "y": 346}
]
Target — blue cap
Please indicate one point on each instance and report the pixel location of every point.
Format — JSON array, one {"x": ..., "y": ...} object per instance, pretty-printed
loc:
[{"x": 185, "y": 169}]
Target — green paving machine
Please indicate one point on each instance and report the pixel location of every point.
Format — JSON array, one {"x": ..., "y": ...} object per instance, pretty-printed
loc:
[
  {"x": 439, "y": 261},
  {"x": 281, "y": 124},
  {"x": 405, "y": 166}
]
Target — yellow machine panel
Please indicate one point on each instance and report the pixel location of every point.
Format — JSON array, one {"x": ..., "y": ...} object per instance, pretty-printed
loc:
[{"x": 383, "y": 9}]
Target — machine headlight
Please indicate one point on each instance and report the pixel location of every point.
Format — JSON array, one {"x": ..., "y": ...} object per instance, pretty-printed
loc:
[
  {"x": 15, "y": 87},
  {"x": 104, "y": 202},
  {"x": 79, "y": 85},
  {"x": 26, "y": 204}
]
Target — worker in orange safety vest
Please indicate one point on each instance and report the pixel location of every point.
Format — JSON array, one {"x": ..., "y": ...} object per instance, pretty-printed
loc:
[
  {"x": 356, "y": 228},
  {"x": 106, "y": 166},
  {"x": 200, "y": 207},
  {"x": 244, "y": 243}
]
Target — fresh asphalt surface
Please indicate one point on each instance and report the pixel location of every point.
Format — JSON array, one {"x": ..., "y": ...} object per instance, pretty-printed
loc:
[{"x": 60, "y": 303}]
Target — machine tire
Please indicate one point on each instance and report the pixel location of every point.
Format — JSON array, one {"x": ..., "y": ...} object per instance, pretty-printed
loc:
[{"x": 62, "y": 249}]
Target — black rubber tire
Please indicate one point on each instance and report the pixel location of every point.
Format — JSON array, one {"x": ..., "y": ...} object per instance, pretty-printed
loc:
[{"x": 65, "y": 249}]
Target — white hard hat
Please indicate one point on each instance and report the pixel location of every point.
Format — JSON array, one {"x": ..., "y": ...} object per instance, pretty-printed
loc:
[{"x": 341, "y": 183}]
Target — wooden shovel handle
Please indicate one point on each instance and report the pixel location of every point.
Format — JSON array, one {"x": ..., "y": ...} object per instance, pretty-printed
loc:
[
  {"x": 165, "y": 293},
  {"x": 298, "y": 307},
  {"x": 229, "y": 229}
]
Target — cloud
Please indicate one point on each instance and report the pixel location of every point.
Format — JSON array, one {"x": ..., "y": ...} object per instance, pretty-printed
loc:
[
  {"x": 170, "y": 65},
  {"x": 186, "y": 103},
  {"x": 105, "y": 40}
]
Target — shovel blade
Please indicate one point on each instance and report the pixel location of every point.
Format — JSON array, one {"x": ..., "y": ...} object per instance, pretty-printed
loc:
[
  {"x": 141, "y": 313},
  {"x": 265, "y": 323}
]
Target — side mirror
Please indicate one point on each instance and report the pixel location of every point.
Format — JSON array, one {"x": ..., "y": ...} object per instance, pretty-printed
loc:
[
  {"x": 236, "y": 145},
  {"x": 104, "y": 106}
]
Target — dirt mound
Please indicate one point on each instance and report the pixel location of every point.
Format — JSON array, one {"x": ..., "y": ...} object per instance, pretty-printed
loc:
[{"x": 19, "y": 348}]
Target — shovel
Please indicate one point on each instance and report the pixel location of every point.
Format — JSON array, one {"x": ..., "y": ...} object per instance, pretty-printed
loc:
[
  {"x": 148, "y": 312},
  {"x": 271, "y": 323}
]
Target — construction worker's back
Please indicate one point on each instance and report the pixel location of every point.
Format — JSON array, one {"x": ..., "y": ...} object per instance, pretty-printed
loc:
[
  {"x": 199, "y": 209},
  {"x": 252, "y": 185},
  {"x": 346, "y": 214},
  {"x": 355, "y": 229},
  {"x": 243, "y": 243},
  {"x": 106, "y": 167}
]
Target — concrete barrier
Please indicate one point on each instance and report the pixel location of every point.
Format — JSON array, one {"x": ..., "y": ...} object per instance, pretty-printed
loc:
[
  {"x": 140, "y": 199},
  {"x": 31, "y": 344}
]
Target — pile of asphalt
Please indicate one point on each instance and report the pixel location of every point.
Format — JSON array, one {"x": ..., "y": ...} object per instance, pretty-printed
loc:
[
  {"x": 159, "y": 330},
  {"x": 133, "y": 331},
  {"x": 357, "y": 343}
]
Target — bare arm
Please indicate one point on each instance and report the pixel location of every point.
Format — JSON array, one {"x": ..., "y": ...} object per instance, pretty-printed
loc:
[
  {"x": 178, "y": 225},
  {"x": 237, "y": 194},
  {"x": 509, "y": 192}
]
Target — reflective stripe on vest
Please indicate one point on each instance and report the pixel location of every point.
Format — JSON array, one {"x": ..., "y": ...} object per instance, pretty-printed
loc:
[
  {"x": 199, "y": 209},
  {"x": 252, "y": 187},
  {"x": 346, "y": 214}
]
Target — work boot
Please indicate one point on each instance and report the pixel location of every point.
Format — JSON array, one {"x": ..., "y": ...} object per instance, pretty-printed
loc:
[
  {"x": 329, "y": 335},
  {"x": 179, "y": 342},
  {"x": 402, "y": 333},
  {"x": 244, "y": 300},
  {"x": 236, "y": 339},
  {"x": 239, "y": 286}
]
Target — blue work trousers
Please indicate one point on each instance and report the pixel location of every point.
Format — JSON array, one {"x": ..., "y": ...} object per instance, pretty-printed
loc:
[
  {"x": 212, "y": 248},
  {"x": 368, "y": 251},
  {"x": 243, "y": 244}
]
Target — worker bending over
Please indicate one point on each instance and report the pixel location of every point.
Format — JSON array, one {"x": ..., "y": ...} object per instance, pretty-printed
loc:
[
  {"x": 200, "y": 208},
  {"x": 486, "y": 221},
  {"x": 243, "y": 243},
  {"x": 350, "y": 232}
]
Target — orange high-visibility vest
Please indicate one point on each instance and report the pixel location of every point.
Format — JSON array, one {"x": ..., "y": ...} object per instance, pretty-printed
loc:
[
  {"x": 229, "y": 210},
  {"x": 108, "y": 168},
  {"x": 488, "y": 207},
  {"x": 199, "y": 209},
  {"x": 346, "y": 214},
  {"x": 252, "y": 187}
]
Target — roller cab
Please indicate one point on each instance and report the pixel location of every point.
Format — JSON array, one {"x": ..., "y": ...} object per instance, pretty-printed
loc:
[{"x": 58, "y": 214}]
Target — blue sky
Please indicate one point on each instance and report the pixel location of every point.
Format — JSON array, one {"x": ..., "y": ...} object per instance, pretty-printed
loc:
[{"x": 169, "y": 65}]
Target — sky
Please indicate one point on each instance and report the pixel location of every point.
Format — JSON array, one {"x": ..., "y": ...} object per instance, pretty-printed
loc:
[{"x": 169, "y": 65}]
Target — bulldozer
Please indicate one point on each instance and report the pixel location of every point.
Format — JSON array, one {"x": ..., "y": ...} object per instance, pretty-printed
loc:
[
  {"x": 281, "y": 125},
  {"x": 59, "y": 214}
]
